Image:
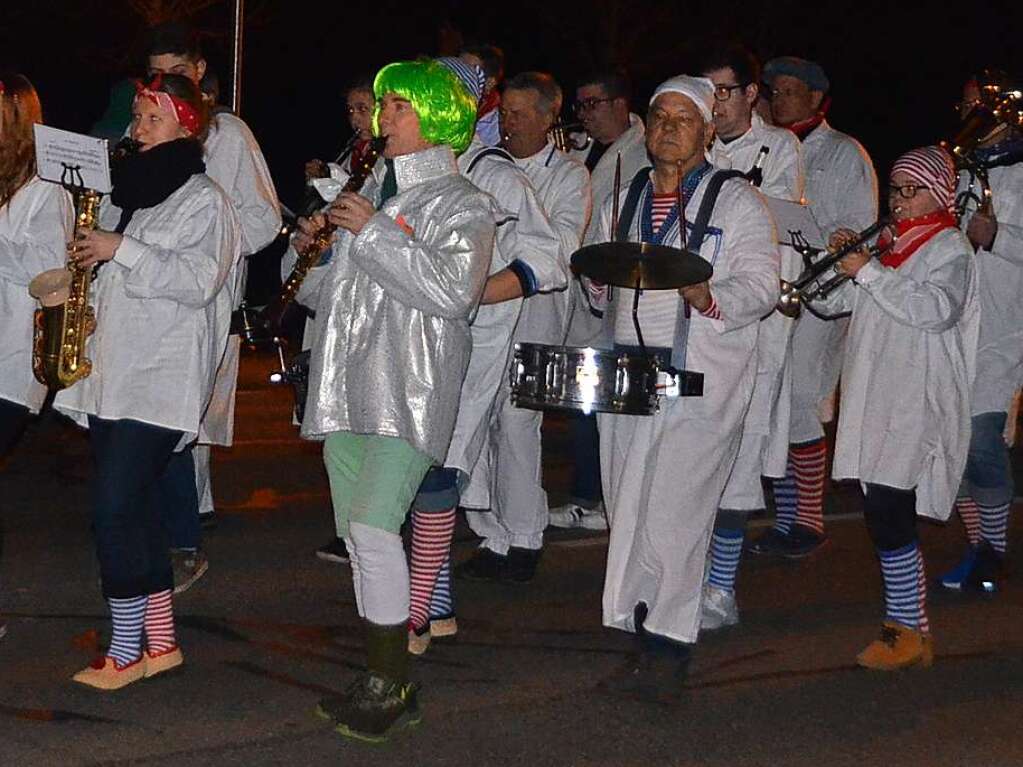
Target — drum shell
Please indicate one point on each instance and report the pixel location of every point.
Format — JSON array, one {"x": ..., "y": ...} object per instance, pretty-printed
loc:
[{"x": 582, "y": 379}]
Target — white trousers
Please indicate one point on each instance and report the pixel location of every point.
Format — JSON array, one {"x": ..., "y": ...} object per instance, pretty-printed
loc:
[
  {"x": 818, "y": 347},
  {"x": 203, "y": 482},
  {"x": 663, "y": 477},
  {"x": 763, "y": 449},
  {"x": 379, "y": 575},
  {"x": 517, "y": 500}
]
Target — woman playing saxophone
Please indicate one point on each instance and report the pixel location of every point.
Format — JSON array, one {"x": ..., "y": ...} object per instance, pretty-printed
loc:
[{"x": 168, "y": 241}]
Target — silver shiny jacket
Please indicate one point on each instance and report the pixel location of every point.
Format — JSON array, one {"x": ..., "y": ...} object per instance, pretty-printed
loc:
[{"x": 395, "y": 306}]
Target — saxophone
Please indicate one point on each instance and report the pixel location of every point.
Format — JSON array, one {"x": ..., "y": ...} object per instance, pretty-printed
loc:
[{"x": 65, "y": 318}]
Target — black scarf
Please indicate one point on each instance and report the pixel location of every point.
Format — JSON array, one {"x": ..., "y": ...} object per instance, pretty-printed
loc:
[{"x": 144, "y": 179}]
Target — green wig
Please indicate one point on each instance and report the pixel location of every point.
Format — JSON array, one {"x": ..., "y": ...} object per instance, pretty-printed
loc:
[{"x": 446, "y": 111}]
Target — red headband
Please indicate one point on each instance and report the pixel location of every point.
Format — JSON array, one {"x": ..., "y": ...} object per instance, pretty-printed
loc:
[{"x": 184, "y": 113}]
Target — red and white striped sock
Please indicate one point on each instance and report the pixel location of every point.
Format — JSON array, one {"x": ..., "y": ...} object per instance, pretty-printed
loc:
[
  {"x": 431, "y": 544},
  {"x": 160, "y": 623},
  {"x": 969, "y": 513},
  {"x": 808, "y": 463}
]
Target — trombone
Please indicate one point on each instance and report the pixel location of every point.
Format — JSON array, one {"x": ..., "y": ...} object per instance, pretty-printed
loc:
[
  {"x": 809, "y": 286},
  {"x": 996, "y": 108}
]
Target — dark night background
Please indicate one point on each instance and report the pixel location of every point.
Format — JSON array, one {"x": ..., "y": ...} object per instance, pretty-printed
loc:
[{"x": 896, "y": 68}]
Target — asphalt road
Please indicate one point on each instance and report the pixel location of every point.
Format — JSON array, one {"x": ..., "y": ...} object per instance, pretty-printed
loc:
[{"x": 270, "y": 629}]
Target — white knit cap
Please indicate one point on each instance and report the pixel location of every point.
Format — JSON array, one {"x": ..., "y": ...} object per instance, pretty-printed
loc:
[{"x": 699, "y": 90}]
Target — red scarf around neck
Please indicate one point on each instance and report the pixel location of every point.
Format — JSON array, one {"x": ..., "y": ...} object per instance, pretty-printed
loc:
[
  {"x": 804, "y": 128},
  {"x": 489, "y": 103},
  {"x": 911, "y": 234}
]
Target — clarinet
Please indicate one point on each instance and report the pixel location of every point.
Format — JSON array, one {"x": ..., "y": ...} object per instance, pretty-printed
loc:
[{"x": 273, "y": 315}]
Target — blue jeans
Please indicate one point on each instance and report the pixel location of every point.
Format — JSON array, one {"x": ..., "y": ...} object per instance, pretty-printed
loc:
[
  {"x": 12, "y": 419},
  {"x": 988, "y": 478},
  {"x": 129, "y": 492},
  {"x": 586, "y": 466},
  {"x": 180, "y": 508},
  {"x": 890, "y": 514}
]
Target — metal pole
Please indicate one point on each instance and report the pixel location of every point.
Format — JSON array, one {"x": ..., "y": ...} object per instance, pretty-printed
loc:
[{"x": 236, "y": 72}]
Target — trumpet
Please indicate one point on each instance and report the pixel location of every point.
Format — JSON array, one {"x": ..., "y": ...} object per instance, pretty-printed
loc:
[
  {"x": 561, "y": 135},
  {"x": 809, "y": 286},
  {"x": 996, "y": 109}
]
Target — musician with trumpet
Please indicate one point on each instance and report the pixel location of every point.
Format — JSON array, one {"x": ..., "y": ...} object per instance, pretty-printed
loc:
[
  {"x": 904, "y": 425},
  {"x": 612, "y": 131},
  {"x": 35, "y": 225},
  {"x": 508, "y": 504},
  {"x": 991, "y": 211},
  {"x": 169, "y": 248}
]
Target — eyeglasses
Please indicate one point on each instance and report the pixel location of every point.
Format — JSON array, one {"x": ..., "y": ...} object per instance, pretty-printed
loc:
[
  {"x": 906, "y": 191},
  {"x": 587, "y": 105},
  {"x": 724, "y": 92}
]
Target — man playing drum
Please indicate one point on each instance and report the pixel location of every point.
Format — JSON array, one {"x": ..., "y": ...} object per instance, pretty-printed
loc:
[{"x": 686, "y": 450}]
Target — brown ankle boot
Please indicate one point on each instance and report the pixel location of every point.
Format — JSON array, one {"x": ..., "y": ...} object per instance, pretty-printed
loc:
[{"x": 898, "y": 647}]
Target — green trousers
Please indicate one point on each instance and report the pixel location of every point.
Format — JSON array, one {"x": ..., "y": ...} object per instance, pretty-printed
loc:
[{"x": 373, "y": 479}]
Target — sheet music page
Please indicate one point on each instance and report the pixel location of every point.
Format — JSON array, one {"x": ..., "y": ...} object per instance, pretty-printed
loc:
[{"x": 72, "y": 159}]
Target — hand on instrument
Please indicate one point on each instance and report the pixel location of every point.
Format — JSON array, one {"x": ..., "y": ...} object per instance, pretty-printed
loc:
[
  {"x": 92, "y": 246},
  {"x": 982, "y": 230},
  {"x": 852, "y": 263},
  {"x": 316, "y": 169},
  {"x": 350, "y": 211},
  {"x": 697, "y": 295},
  {"x": 307, "y": 229}
]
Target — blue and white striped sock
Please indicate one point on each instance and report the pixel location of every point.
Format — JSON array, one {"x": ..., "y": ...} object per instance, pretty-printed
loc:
[
  {"x": 994, "y": 525},
  {"x": 128, "y": 616},
  {"x": 786, "y": 498},
  {"x": 905, "y": 588},
  {"x": 442, "y": 603},
  {"x": 725, "y": 552}
]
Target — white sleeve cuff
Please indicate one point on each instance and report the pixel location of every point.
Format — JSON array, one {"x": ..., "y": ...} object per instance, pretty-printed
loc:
[
  {"x": 869, "y": 272},
  {"x": 129, "y": 252}
]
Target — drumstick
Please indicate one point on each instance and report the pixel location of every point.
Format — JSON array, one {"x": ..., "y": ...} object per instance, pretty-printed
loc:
[
  {"x": 614, "y": 213},
  {"x": 686, "y": 311},
  {"x": 614, "y": 205}
]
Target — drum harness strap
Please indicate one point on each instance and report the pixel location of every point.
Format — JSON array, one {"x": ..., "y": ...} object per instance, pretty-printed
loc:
[
  {"x": 694, "y": 241},
  {"x": 490, "y": 151}
]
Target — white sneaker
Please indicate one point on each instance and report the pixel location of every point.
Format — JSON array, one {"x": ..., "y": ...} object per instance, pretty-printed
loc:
[
  {"x": 571, "y": 515},
  {"x": 718, "y": 608}
]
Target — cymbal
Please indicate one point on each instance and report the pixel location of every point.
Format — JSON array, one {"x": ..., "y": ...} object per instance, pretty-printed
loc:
[{"x": 654, "y": 267}]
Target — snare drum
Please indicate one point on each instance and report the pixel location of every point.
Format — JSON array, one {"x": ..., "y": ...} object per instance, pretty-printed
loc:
[{"x": 583, "y": 379}]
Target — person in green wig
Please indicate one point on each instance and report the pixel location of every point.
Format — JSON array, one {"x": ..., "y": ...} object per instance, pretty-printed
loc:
[{"x": 396, "y": 295}]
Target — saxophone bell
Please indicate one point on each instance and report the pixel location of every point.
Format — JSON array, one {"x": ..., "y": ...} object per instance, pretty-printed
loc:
[
  {"x": 65, "y": 319},
  {"x": 51, "y": 288}
]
